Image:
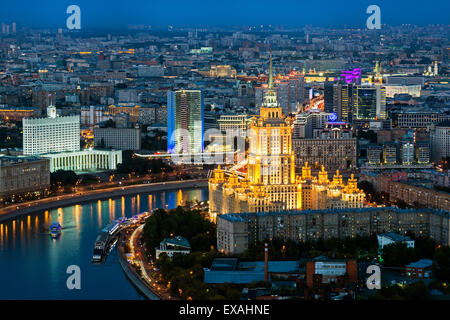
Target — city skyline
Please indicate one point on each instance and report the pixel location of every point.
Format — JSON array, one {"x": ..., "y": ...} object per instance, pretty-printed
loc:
[{"x": 224, "y": 151}]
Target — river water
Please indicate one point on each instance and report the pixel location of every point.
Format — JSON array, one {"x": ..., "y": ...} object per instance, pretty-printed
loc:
[{"x": 33, "y": 266}]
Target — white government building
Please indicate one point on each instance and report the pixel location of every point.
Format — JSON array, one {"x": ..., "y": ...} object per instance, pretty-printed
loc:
[
  {"x": 51, "y": 134},
  {"x": 58, "y": 139}
]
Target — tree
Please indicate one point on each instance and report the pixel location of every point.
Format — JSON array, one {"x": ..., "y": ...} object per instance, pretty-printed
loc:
[
  {"x": 131, "y": 163},
  {"x": 398, "y": 254},
  {"x": 190, "y": 224},
  {"x": 63, "y": 177},
  {"x": 442, "y": 268}
]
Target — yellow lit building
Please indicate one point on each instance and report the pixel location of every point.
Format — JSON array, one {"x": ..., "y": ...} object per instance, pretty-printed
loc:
[
  {"x": 268, "y": 182},
  {"x": 220, "y": 71}
]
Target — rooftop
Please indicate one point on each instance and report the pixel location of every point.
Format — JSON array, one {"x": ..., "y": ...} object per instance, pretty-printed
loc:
[
  {"x": 242, "y": 217},
  {"x": 178, "y": 241},
  {"x": 10, "y": 160},
  {"x": 395, "y": 236},
  {"x": 423, "y": 263}
]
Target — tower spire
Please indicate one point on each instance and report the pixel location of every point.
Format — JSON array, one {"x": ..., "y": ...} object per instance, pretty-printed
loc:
[{"x": 270, "y": 71}]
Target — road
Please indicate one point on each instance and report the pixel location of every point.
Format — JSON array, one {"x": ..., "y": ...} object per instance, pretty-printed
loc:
[{"x": 148, "y": 271}]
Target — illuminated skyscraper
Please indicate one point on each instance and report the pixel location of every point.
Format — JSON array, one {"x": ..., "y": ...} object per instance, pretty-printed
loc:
[
  {"x": 268, "y": 181},
  {"x": 342, "y": 101},
  {"x": 185, "y": 121}
]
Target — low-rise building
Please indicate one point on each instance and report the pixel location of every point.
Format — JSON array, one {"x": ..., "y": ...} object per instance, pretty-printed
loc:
[
  {"x": 324, "y": 271},
  {"x": 23, "y": 174},
  {"x": 230, "y": 270},
  {"x": 332, "y": 147},
  {"x": 85, "y": 160},
  {"x": 390, "y": 237},
  {"x": 419, "y": 269}
]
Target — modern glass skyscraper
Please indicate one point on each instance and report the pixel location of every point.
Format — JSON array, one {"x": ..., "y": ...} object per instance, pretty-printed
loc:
[
  {"x": 185, "y": 121},
  {"x": 342, "y": 101},
  {"x": 369, "y": 103}
]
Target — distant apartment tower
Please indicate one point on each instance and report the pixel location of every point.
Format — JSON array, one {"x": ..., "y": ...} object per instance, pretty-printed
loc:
[
  {"x": 407, "y": 152},
  {"x": 185, "y": 121},
  {"x": 52, "y": 134},
  {"x": 374, "y": 154},
  {"x": 390, "y": 153},
  {"x": 92, "y": 115},
  {"x": 118, "y": 138},
  {"x": 422, "y": 152},
  {"x": 440, "y": 141},
  {"x": 306, "y": 122}
]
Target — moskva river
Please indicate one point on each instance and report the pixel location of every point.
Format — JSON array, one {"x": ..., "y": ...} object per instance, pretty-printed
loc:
[{"x": 34, "y": 266}]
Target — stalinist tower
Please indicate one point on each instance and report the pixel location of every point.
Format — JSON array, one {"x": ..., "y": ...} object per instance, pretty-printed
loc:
[
  {"x": 267, "y": 180},
  {"x": 271, "y": 165}
]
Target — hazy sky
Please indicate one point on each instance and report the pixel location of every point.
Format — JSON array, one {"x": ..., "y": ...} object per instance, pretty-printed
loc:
[{"x": 112, "y": 13}]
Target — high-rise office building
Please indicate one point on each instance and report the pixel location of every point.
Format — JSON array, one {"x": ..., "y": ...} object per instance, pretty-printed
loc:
[
  {"x": 342, "y": 101},
  {"x": 369, "y": 103},
  {"x": 328, "y": 97},
  {"x": 185, "y": 121},
  {"x": 51, "y": 134},
  {"x": 422, "y": 152},
  {"x": 118, "y": 138}
]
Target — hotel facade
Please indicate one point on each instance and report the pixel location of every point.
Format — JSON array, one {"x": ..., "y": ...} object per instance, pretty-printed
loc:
[{"x": 267, "y": 181}]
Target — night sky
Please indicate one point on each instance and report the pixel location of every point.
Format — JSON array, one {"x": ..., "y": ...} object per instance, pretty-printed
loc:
[{"x": 326, "y": 13}]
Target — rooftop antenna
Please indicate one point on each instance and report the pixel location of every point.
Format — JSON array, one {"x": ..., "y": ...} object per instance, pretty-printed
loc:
[{"x": 270, "y": 71}]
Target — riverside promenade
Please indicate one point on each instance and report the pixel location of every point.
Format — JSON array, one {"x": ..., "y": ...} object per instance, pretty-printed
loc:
[
  {"x": 17, "y": 210},
  {"x": 131, "y": 272}
]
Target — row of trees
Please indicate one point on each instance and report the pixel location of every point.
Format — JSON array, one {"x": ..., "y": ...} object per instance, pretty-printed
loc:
[
  {"x": 132, "y": 164},
  {"x": 190, "y": 224},
  {"x": 398, "y": 255},
  {"x": 361, "y": 247},
  {"x": 183, "y": 273},
  {"x": 414, "y": 291}
]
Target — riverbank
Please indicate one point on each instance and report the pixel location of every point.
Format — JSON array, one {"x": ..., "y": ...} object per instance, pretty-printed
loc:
[
  {"x": 15, "y": 211},
  {"x": 139, "y": 270},
  {"x": 134, "y": 278}
]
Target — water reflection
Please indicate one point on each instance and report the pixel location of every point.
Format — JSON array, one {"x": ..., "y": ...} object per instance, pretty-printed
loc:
[{"x": 33, "y": 266}]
